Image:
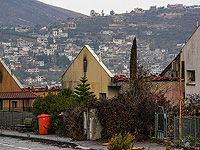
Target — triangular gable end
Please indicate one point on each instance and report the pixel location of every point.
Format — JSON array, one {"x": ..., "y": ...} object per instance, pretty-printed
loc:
[
  {"x": 9, "y": 83},
  {"x": 100, "y": 62},
  {"x": 178, "y": 55},
  {"x": 97, "y": 59}
]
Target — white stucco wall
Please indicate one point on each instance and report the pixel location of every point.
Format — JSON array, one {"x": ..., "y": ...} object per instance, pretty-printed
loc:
[{"x": 191, "y": 56}]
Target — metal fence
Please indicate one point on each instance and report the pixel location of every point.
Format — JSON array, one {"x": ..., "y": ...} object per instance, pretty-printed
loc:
[
  {"x": 190, "y": 125},
  {"x": 11, "y": 119}
]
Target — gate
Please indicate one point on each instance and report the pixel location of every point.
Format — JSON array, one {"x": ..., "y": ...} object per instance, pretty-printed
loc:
[{"x": 161, "y": 119}]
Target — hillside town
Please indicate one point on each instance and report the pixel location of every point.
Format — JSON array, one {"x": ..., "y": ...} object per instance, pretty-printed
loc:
[
  {"x": 41, "y": 49},
  {"x": 99, "y": 82}
]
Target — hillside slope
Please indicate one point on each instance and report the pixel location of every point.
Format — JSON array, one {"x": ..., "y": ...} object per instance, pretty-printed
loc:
[{"x": 31, "y": 12}]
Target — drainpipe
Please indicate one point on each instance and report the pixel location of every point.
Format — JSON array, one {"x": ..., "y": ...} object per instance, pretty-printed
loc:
[{"x": 180, "y": 94}]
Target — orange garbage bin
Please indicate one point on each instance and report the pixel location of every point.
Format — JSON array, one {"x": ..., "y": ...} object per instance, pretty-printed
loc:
[{"x": 44, "y": 122}]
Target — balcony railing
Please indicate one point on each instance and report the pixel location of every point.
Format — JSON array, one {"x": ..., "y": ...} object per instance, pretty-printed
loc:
[{"x": 18, "y": 109}]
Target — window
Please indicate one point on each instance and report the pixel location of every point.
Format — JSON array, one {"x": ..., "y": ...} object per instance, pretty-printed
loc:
[
  {"x": 85, "y": 65},
  {"x": 102, "y": 96},
  {"x": 14, "y": 105},
  {"x": 191, "y": 77},
  {"x": 1, "y": 105}
]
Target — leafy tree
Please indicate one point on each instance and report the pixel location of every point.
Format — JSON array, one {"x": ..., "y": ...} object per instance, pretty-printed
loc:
[
  {"x": 67, "y": 93},
  {"x": 83, "y": 95},
  {"x": 37, "y": 28},
  {"x": 53, "y": 105},
  {"x": 112, "y": 12},
  {"x": 62, "y": 61},
  {"x": 50, "y": 40},
  {"x": 102, "y": 13},
  {"x": 42, "y": 58},
  {"x": 129, "y": 112}
]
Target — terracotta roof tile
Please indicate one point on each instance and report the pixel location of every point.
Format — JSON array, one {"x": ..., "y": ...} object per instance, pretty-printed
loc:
[
  {"x": 17, "y": 95},
  {"x": 121, "y": 78}
]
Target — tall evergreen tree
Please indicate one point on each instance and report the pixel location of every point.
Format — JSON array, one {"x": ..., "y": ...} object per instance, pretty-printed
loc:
[
  {"x": 133, "y": 61},
  {"x": 83, "y": 94}
]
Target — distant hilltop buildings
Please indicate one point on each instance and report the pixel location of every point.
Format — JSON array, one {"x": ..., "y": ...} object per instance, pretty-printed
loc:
[
  {"x": 174, "y": 7},
  {"x": 154, "y": 8}
]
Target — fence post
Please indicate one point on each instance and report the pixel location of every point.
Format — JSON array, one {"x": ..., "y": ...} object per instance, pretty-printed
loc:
[
  {"x": 195, "y": 125},
  {"x": 3, "y": 118},
  {"x": 155, "y": 125},
  {"x": 174, "y": 129},
  {"x": 181, "y": 127},
  {"x": 22, "y": 118},
  {"x": 166, "y": 125},
  {"x": 12, "y": 118}
]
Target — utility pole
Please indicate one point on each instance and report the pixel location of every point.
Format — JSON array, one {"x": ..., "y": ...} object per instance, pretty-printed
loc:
[{"x": 180, "y": 94}]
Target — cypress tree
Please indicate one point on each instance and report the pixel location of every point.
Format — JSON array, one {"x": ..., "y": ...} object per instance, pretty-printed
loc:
[{"x": 133, "y": 61}]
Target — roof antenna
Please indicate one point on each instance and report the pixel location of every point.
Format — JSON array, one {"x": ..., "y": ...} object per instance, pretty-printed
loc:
[
  {"x": 99, "y": 56},
  {"x": 197, "y": 23}
]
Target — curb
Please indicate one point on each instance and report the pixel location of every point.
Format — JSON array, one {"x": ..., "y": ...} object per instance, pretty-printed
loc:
[{"x": 63, "y": 144}]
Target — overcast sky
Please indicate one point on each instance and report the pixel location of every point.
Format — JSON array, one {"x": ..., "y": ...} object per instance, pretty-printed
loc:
[{"x": 119, "y": 6}]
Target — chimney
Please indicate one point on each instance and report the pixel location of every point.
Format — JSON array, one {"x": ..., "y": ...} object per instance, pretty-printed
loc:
[
  {"x": 197, "y": 23},
  {"x": 99, "y": 56}
]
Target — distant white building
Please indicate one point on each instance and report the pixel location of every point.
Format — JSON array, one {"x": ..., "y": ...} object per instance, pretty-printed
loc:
[
  {"x": 33, "y": 70},
  {"x": 42, "y": 40},
  {"x": 48, "y": 51},
  {"x": 22, "y": 28},
  {"x": 118, "y": 41},
  {"x": 39, "y": 63},
  {"x": 55, "y": 33}
]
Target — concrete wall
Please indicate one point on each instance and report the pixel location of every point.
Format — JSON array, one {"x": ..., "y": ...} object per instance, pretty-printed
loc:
[
  {"x": 171, "y": 90},
  {"x": 98, "y": 77},
  {"x": 13, "y": 118},
  {"x": 92, "y": 126}
]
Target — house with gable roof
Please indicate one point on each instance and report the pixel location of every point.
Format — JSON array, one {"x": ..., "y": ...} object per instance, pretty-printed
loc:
[
  {"x": 13, "y": 96},
  {"x": 190, "y": 63},
  {"x": 88, "y": 64}
]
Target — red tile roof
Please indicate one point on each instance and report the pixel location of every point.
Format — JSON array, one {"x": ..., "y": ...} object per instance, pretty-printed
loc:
[
  {"x": 121, "y": 78},
  {"x": 17, "y": 95},
  {"x": 44, "y": 89},
  {"x": 159, "y": 78}
]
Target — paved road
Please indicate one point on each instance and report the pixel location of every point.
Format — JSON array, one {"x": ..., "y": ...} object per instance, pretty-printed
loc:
[
  {"x": 13, "y": 140},
  {"x": 7, "y": 143},
  {"x": 151, "y": 146}
]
